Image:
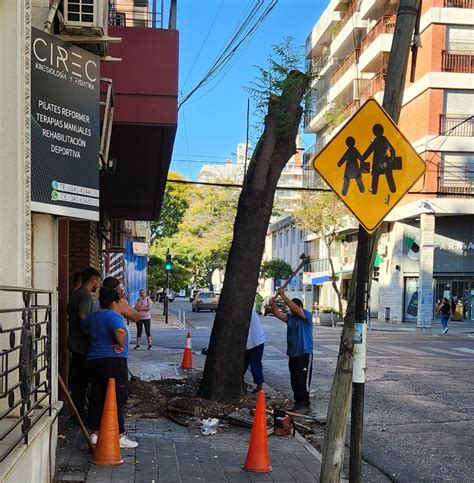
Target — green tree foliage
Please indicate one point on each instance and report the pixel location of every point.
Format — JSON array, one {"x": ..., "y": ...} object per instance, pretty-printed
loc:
[
  {"x": 175, "y": 203},
  {"x": 272, "y": 79},
  {"x": 277, "y": 269},
  {"x": 202, "y": 241},
  {"x": 325, "y": 215}
]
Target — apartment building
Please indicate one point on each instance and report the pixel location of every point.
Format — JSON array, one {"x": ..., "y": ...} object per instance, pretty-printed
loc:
[
  {"x": 426, "y": 250},
  {"x": 89, "y": 115}
]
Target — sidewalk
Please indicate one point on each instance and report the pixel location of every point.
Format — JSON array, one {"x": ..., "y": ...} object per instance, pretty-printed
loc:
[{"x": 168, "y": 452}]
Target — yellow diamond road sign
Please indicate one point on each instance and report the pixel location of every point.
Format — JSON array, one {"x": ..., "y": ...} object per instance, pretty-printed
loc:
[{"x": 370, "y": 165}]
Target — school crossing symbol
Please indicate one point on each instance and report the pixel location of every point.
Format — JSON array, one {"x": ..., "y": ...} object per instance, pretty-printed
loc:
[{"x": 370, "y": 165}]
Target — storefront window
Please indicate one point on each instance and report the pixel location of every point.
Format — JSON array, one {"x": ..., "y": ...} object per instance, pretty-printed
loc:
[
  {"x": 461, "y": 295},
  {"x": 411, "y": 298}
]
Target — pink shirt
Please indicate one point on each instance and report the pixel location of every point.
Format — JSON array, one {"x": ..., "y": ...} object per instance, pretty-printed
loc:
[{"x": 141, "y": 305}]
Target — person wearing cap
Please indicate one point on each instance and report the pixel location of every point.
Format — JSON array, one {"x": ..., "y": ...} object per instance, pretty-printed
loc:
[{"x": 299, "y": 337}]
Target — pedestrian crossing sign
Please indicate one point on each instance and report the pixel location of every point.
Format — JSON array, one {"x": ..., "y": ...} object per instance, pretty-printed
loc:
[{"x": 370, "y": 165}]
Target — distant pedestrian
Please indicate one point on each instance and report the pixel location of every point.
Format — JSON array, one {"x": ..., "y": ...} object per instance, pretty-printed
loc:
[
  {"x": 254, "y": 352},
  {"x": 445, "y": 310},
  {"x": 299, "y": 337},
  {"x": 78, "y": 308},
  {"x": 143, "y": 307},
  {"x": 107, "y": 358}
]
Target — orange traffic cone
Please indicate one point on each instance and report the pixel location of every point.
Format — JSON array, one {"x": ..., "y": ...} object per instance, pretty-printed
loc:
[
  {"x": 107, "y": 450},
  {"x": 258, "y": 459},
  {"x": 187, "y": 362}
]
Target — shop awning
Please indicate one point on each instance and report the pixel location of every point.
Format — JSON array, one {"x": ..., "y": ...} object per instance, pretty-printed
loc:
[{"x": 320, "y": 280}]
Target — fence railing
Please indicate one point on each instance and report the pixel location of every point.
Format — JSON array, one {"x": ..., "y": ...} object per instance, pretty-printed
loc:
[
  {"x": 459, "y": 3},
  {"x": 457, "y": 61},
  {"x": 25, "y": 363},
  {"x": 139, "y": 14},
  {"x": 377, "y": 84},
  {"x": 456, "y": 124},
  {"x": 350, "y": 60},
  {"x": 386, "y": 25},
  {"x": 354, "y": 7}
]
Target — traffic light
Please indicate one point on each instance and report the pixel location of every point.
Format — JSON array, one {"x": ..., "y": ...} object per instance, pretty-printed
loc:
[
  {"x": 376, "y": 273},
  {"x": 168, "y": 263}
]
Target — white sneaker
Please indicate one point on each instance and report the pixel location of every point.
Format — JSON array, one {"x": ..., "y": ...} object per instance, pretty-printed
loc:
[
  {"x": 445, "y": 330},
  {"x": 94, "y": 438},
  {"x": 127, "y": 443}
]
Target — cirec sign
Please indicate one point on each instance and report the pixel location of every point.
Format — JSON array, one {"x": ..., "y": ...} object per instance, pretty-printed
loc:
[
  {"x": 370, "y": 165},
  {"x": 59, "y": 61}
]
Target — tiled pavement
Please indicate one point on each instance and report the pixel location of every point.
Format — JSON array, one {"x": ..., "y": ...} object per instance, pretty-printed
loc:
[{"x": 169, "y": 453}]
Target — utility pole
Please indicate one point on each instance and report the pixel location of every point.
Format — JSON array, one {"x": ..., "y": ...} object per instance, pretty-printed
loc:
[
  {"x": 168, "y": 267},
  {"x": 407, "y": 14}
]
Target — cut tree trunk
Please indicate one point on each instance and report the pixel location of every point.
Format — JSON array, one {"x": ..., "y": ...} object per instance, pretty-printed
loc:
[{"x": 223, "y": 372}]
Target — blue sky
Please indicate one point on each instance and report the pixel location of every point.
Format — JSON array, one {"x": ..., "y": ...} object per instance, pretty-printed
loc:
[{"x": 213, "y": 121}]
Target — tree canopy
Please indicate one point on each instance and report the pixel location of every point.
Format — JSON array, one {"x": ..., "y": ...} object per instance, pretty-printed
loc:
[
  {"x": 201, "y": 242},
  {"x": 276, "y": 268}
]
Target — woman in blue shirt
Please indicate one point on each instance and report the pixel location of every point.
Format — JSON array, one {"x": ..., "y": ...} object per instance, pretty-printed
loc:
[{"x": 107, "y": 357}]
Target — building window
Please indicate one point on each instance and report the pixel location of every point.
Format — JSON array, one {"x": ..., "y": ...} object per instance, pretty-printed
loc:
[
  {"x": 286, "y": 237},
  {"x": 280, "y": 238},
  {"x": 293, "y": 234},
  {"x": 274, "y": 241}
]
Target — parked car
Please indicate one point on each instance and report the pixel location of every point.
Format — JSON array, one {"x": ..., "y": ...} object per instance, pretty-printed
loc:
[
  {"x": 193, "y": 294},
  {"x": 205, "y": 301},
  {"x": 267, "y": 308}
]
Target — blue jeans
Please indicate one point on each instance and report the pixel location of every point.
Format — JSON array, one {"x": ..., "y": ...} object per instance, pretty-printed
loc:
[
  {"x": 444, "y": 320},
  {"x": 253, "y": 358}
]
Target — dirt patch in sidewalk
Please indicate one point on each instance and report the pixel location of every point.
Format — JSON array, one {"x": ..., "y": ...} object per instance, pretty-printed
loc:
[{"x": 177, "y": 399}]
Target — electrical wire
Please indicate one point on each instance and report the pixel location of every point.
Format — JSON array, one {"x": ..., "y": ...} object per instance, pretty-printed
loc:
[
  {"x": 203, "y": 43},
  {"x": 294, "y": 188},
  {"x": 239, "y": 39}
]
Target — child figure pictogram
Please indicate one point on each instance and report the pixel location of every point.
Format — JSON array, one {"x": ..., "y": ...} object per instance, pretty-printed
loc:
[{"x": 353, "y": 169}]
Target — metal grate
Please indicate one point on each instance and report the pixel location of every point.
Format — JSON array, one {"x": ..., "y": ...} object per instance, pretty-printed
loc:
[{"x": 25, "y": 364}]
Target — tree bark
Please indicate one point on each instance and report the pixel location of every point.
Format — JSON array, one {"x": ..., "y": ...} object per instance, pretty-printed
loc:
[
  {"x": 334, "y": 438},
  {"x": 334, "y": 284},
  {"x": 223, "y": 372}
]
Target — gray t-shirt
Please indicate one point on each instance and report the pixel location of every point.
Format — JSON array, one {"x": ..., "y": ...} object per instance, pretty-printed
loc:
[{"x": 80, "y": 302}]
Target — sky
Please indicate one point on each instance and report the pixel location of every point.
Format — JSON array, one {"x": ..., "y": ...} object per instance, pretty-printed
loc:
[{"x": 213, "y": 121}]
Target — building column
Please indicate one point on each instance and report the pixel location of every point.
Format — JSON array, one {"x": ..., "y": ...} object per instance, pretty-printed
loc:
[{"x": 425, "y": 281}]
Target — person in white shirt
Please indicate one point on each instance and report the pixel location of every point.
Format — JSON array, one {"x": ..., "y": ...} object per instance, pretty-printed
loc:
[{"x": 254, "y": 351}]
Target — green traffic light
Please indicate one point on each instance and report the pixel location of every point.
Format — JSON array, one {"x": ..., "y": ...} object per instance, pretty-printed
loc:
[{"x": 168, "y": 266}]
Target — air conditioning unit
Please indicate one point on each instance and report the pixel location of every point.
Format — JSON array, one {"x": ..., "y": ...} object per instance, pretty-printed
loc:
[
  {"x": 86, "y": 16},
  {"x": 117, "y": 230}
]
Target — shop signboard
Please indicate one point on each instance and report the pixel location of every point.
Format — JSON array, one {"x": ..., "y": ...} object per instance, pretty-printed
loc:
[
  {"x": 370, "y": 165},
  {"x": 65, "y": 125}
]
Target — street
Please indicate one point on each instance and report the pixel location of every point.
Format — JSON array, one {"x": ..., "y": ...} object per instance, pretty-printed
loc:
[{"x": 419, "y": 393}]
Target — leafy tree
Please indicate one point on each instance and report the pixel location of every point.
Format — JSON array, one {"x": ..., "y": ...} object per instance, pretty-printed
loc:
[
  {"x": 223, "y": 374},
  {"x": 175, "y": 203},
  {"x": 276, "y": 269},
  {"x": 325, "y": 215},
  {"x": 202, "y": 242}
]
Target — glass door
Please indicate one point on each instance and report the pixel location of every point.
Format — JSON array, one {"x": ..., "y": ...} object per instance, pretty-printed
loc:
[{"x": 411, "y": 298}]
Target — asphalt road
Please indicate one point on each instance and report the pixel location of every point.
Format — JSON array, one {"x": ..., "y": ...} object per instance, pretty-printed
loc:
[{"x": 419, "y": 395}]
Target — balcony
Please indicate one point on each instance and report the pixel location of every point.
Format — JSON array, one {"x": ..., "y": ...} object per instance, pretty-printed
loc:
[
  {"x": 459, "y": 3},
  {"x": 386, "y": 25},
  {"x": 457, "y": 61},
  {"x": 145, "y": 118},
  {"x": 377, "y": 84},
  {"x": 345, "y": 66},
  {"x": 353, "y": 7},
  {"x": 456, "y": 125}
]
